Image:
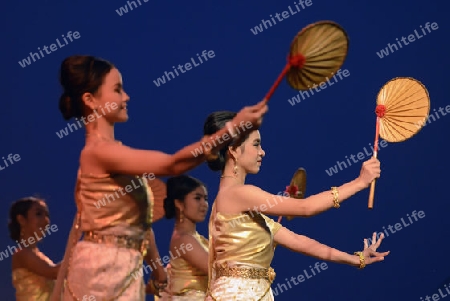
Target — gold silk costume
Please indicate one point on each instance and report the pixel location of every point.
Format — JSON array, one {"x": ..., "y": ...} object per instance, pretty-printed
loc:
[
  {"x": 186, "y": 283},
  {"x": 30, "y": 286},
  {"x": 241, "y": 249},
  {"x": 115, "y": 214}
]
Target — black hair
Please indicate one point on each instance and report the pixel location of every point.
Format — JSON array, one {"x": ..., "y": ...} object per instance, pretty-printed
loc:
[
  {"x": 177, "y": 189},
  {"x": 213, "y": 123},
  {"x": 80, "y": 74},
  {"x": 19, "y": 207}
]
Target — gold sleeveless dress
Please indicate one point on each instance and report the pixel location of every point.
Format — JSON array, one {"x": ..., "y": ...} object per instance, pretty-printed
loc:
[
  {"x": 30, "y": 286},
  {"x": 108, "y": 205},
  {"x": 240, "y": 241},
  {"x": 186, "y": 283}
]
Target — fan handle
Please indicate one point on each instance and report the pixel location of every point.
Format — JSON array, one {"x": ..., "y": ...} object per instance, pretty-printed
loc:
[
  {"x": 372, "y": 189},
  {"x": 375, "y": 153},
  {"x": 293, "y": 61}
]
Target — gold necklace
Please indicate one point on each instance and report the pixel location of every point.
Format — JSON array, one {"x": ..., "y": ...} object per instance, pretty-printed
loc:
[
  {"x": 228, "y": 177},
  {"x": 179, "y": 229}
]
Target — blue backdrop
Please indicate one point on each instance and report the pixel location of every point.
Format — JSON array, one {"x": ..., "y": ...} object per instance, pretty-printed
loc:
[{"x": 146, "y": 41}]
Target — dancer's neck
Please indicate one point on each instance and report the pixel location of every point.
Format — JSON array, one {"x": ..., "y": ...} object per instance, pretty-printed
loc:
[
  {"x": 186, "y": 227},
  {"x": 100, "y": 130}
]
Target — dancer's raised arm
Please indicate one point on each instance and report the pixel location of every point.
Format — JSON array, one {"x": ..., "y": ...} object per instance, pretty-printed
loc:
[
  {"x": 254, "y": 198},
  {"x": 117, "y": 158}
]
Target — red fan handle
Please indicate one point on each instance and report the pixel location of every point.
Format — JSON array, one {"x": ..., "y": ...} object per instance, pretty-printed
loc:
[
  {"x": 380, "y": 110},
  {"x": 293, "y": 61}
]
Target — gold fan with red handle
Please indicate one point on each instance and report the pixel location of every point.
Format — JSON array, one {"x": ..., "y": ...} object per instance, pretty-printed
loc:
[
  {"x": 403, "y": 105},
  {"x": 316, "y": 53}
]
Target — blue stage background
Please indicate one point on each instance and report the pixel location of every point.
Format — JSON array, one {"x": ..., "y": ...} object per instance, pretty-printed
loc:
[{"x": 315, "y": 133}]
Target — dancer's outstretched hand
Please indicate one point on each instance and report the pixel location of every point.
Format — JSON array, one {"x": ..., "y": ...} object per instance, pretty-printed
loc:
[
  {"x": 253, "y": 114},
  {"x": 370, "y": 252}
]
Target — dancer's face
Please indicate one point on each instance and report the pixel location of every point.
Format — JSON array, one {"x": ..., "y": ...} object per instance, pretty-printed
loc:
[
  {"x": 249, "y": 155},
  {"x": 111, "y": 99},
  {"x": 36, "y": 220},
  {"x": 195, "y": 205}
]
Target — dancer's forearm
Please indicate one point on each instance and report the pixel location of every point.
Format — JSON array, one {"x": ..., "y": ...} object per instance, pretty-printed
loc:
[
  {"x": 337, "y": 256},
  {"x": 152, "y": 256},
  {"x": 192, "y": 155},
  {"x": 323, "y": 201},
  {"x": 311, "y": 247}
]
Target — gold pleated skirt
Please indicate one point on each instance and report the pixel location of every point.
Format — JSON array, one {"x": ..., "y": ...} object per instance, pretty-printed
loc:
[{"x": 240, "y": 289}]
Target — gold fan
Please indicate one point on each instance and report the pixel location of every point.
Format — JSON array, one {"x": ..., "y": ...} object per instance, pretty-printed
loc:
[
  {"x": 316, "y": 53},
  {"x": 297, "y": 188},
  {"x": 403, "y": 105},
  {"x": 158, "y": 188},
  {"x": 325, "y": 46}
]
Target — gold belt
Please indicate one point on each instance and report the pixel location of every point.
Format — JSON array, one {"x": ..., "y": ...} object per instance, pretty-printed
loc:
[
  {"x": 250, "y": 273},
  {"x": 121, "y": 241}
]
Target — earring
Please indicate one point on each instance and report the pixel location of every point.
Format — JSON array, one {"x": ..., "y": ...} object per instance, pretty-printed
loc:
[
  {"x": 181, "y": 216},
  {"x": 235, "y": 168}
]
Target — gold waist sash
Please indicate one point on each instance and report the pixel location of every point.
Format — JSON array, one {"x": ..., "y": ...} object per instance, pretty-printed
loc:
[
  {"x": 244, "y": 272},
  {"x": 120, "y": 241}
]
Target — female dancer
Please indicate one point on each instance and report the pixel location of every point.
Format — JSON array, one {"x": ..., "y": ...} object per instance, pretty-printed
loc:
[
  {"x": 33, "y": 273},
  {"x": 187, "y": 201},
  {"x": 242, "y": 239},
  {"x": 114, "y": 203}
]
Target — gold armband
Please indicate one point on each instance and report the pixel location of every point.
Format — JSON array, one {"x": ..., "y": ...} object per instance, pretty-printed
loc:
[
  {"x": 335, "y": 193},
  {"x": 362, "y": 262}
]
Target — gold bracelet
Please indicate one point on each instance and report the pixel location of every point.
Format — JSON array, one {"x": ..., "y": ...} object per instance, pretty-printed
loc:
[
  {"x": 335, "y": 193},
  {"x": 157, "y": 288},
  {"x": 362, "y": 262},
  {"x": 161, "y": 285},
  {"x": 207, "y": 151}
]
